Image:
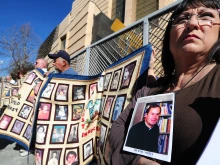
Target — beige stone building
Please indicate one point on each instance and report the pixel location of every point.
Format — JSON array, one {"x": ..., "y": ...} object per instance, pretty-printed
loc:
[{"x": 77, "y": 31}]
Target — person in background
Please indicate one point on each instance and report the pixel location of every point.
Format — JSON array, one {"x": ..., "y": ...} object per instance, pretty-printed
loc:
[
  {"x": 41, "y": 63},
  {"x": 190, "y": 59},
  {"x": 11, "y": 81},
  {"x": 21, "y": 74},
  {"x": 61, "y": 62}
]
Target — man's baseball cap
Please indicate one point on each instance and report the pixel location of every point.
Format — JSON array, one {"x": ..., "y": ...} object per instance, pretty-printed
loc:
[{"x": 63, "y": 54}]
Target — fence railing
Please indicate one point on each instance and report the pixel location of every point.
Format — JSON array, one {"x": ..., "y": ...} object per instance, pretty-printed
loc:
[{"x": 148, "y": 30}]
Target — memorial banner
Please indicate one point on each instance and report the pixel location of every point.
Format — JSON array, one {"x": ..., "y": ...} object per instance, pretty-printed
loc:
[
  {"x": 64, "y": 113},
  {"x": 5, "y": 94},
  {"x": 16, "y": 121},
  {"x": 67, "y": 120},
  {"x": 119, "y": 82},
  {"x": 7, "y": 90}
]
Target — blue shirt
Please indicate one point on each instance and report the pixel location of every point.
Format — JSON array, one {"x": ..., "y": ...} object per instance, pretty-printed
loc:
[{"x": 70, "y": 71}]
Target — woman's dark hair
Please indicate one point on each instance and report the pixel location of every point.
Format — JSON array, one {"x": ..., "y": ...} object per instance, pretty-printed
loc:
[
  {"x": 166, "y": 57},
  {"x": 21, "y": 72},
  {"x": 214, "y": 53}
]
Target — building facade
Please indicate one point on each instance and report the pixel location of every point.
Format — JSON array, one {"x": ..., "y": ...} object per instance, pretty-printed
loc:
[{"x": 90, "y": 20}]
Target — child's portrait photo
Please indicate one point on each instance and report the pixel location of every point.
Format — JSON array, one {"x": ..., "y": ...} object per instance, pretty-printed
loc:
[
  {"x": 58, "y": 135},
  {"x": 103, "y": 130},
  {"x": 41, "y": 133},
  {"x": 53, "y": 157},
  {"x": 108, "y": 105},
  {"x": 25, "y": 111},
  {"x": 61, "y": 112},
  {"x": 77, "y": 111},
  {"x": 28, "y": 133},
  {"x": 31, "y": 97},
  {"x": 79, "y": 92},
  {"x": 30, "y": 78},
  {"x": 72, "y": 156},
  {"x": 118, "y": 107},
  {"x": 44, "y": 111},
  {"x": 127, "y": 75},
  {"x": 14, "y": 91},
  {"x": 107, "y": 81},
  {"x": 37, "y": 86},
  {"x": 18, "y": 125},
  {"x": 115, "y": 80},
  {"x": 48, "y": 90},
  {"x": 62, "y": 92},
  {"x": 73, "y": 134},
  {"x": 5, "y": 121},
  {"x": 92, "y": 89},
  {"x": 87, "y": 149}
]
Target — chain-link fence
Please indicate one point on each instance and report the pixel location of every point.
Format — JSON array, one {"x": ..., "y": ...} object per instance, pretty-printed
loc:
[
  {"x": 79, "y": 63},
  {"x": 157, "y": 27},
  {"x": 97, "y": 57}
]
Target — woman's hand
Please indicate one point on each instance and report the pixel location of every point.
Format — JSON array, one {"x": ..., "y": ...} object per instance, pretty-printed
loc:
[
  {"x": 152, "y": 59},
  {"x": 145, "y": 161},
  {"x": 151, "y": 76}
]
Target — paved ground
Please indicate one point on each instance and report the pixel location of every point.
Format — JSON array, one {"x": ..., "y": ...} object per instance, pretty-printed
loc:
[{"x": 9, "y": 154}]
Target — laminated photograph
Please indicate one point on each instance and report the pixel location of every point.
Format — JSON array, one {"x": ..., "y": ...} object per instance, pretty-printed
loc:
[{"x": 150, "y": 131}]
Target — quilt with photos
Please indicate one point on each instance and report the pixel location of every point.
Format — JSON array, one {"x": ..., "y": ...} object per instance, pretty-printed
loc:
[
  {"x": 69, "y": 117},
  {"x": 7, "y": 90}
]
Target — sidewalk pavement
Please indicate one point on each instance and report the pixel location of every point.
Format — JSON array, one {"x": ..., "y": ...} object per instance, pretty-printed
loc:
[{"x": 9, "y": 154}]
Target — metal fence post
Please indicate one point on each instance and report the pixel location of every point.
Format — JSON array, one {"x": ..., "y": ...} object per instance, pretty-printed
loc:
[
  {"x": 87, "y": 60},
  {"x": 145, "y": 31}
]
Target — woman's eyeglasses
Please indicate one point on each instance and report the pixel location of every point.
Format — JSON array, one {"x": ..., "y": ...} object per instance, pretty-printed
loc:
[{"x": 204, "y": 19}]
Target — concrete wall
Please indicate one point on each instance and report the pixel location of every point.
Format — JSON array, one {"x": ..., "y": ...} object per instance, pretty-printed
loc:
[
  {"x": 137, "y": 9},
  {"x": 77, "y": 25}
]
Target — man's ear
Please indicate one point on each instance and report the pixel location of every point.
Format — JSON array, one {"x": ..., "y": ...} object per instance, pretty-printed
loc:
[{"x": 64, "y": 62}]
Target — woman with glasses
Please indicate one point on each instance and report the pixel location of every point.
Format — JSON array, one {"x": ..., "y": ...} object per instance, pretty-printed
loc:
[{"x": 190, "y": 59}]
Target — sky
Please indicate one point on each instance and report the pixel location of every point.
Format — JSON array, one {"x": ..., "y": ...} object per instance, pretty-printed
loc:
[{"x": 43, "y": 15}]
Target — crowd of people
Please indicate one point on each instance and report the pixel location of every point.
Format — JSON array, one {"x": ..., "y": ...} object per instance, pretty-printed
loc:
[{"x": 61, "y": 62}]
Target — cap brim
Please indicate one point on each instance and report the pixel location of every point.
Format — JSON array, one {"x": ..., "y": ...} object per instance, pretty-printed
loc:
[{"x": 53, "y": 56}]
